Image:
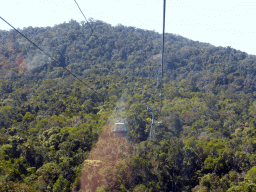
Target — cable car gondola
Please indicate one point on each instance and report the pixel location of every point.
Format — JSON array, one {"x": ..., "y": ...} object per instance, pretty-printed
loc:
[
  {"x": 120, "y": 129},
  {"x": 160, "y": 125}
]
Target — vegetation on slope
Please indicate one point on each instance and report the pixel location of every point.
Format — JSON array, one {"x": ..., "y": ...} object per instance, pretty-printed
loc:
[{"x": 49, "y": 122}]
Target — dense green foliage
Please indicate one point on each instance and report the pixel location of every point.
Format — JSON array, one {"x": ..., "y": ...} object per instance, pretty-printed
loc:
[{"x": 49, "y": 121}]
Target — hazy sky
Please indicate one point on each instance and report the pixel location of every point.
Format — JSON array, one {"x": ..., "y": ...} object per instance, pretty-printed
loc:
[{"x": 218, "y": 22}]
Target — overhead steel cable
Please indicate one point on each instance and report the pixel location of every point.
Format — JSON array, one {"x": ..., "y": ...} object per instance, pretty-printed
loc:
[
  {"x": 162, "y": 61},
  {"x": 93, "y": 31},
  {"x": 48, "y": 55},
  {"x": 90, "y": 26}
]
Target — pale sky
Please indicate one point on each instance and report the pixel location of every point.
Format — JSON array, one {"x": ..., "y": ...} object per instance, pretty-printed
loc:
[{"x": 218, "y": 22}]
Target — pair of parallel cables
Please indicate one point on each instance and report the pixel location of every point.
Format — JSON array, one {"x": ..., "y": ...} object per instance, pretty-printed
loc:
[
  {"x": 47, "y": 54},
  {"x": 75, "y": 76}
]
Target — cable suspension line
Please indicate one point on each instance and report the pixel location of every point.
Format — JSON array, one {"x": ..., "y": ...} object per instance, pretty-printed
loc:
[
  {"x": 162, "y": 71},
  {"x": 47, "y": 54},
  {"x": 93, "y": 33},
  {"x": 90, "y": 26},
  {"x": 160, "y": 124}
]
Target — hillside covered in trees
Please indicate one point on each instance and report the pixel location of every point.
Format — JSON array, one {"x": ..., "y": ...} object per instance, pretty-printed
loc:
[{"x": 50, "y": 121}]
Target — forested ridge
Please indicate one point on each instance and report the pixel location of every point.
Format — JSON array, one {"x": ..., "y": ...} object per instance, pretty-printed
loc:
[{"x": 50, "y": 121}]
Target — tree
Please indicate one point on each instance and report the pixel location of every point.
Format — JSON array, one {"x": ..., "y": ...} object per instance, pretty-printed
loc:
[
  {"x": 251, "y": 175},
  {"x": 61, "y": 185},
  {"x": 136, "y": 121}
]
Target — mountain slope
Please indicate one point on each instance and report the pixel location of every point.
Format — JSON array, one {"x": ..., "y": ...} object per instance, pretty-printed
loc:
[{"x": 50, "y": 121}]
